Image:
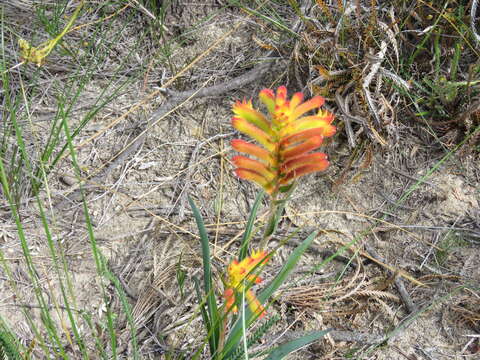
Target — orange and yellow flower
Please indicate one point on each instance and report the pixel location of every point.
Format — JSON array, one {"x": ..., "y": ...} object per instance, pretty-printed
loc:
[
  {"x": 241, "y": 275},
  {"x": 286, "y": 136}
]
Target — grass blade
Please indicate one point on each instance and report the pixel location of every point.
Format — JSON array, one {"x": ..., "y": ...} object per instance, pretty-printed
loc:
[
  {"x": 287, "y": 268},
  {"x": 204, "y": 313},
  {"x": 214, "y": 320},
  {"x": 283, "y": 350},
  {"x": 99, "y": 260},
  {"x": 247, "y": 235}
]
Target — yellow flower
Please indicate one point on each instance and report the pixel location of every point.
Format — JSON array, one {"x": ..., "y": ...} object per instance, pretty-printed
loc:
[
  {"x": 38, "y": 55},
  {"x": 240, "y": 277}
]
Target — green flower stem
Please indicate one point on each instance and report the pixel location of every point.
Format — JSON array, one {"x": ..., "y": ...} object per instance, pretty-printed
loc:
[
  {"x": 272, "y": 222},
  {"x": 221, "y": 340},
  {"x": 277, "y": 206}
]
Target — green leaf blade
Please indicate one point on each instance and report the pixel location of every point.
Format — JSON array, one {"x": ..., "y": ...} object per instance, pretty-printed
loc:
[
  {"x": 287, "y": 268},
  {"x": 247, "y": 235},
  {"x": 283, "y": 350},
  {"x": 213, "y": 322}
]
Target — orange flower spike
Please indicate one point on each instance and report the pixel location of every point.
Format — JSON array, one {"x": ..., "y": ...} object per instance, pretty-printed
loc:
[
  {"x": 247, "y": 174},
  {"x": 300, "y": 136},
  {"x": 246, "y": 111},
  {"x": 255, "y": 305},
  {"x": 317, "y": 159},
  {"x": 304, "y": 170},
  {"x": 256, "y": 259},
  {"x": 238, "y": 274},
  {"x": 311, "y": 104},
  {"x": 297, "y": 150},
  {"x": 322, "y": 121},
  {"x": 296, "y": 100},
  {"x": 281, "y": 98},
  {"x": 287, "y": 137},
  {"x": 282, "y": 108},
  {"x": 267, "y": 97},
  {"x": 229, "y": 295}
]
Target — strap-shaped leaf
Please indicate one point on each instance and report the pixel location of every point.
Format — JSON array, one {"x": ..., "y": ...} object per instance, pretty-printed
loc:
[
  {"x": 287, "y": 268},
  {"x": 247, "y": 235},
  {"x": 283, "y": 350},
  {"x": 213, "y": 326}
]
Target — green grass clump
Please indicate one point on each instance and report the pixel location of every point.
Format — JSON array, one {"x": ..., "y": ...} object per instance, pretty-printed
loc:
[{"x": 9, "y": 347}]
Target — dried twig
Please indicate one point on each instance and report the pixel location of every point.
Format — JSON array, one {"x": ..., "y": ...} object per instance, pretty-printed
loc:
[
  {"x": 412, "y": 308},
  {"x": 348, "y": 118},
  {"x": 473, "y": 13},
  {"x": 339, "y": 335},
  {"x": 375, "y": 62}
]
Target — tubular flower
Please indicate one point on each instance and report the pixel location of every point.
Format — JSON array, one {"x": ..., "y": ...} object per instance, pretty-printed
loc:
[
  {"x": 241, "y": 274},
  {"x": 286, "y": 136}
]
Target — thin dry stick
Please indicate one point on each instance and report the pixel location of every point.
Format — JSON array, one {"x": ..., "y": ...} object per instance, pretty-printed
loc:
[
  {"x": 347, "y": 118},
  {"x": 473, "y": 17},
  {"x": 389, "y": 267},
  {"x": 157, "y": 92},
  {"x": 387, "y": 223},
  {"x": 412, "y": 308},
  {"x": 341, "y": 335}
]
